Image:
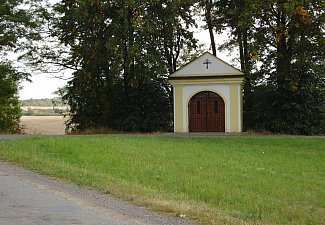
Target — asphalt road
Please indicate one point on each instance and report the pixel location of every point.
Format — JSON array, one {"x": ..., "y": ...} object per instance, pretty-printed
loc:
[{"x": 29, "y": 198}]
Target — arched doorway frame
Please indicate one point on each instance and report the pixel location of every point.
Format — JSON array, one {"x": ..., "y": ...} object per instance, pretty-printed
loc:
[{"x": 202, "y": 90}]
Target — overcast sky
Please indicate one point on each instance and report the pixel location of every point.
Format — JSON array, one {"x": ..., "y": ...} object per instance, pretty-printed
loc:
[{"x": 43, "y": 85}]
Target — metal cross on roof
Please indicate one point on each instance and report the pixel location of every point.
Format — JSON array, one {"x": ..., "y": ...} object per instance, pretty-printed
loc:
[{"x": 207, "y": 62}]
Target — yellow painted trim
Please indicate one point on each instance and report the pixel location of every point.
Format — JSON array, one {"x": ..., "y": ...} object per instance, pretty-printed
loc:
[
  {"x": 178, "y": 98},
  {"x": 241, "y": 108},
  {"x": 208, "y": 81},
  {"x": 212, "y": 90},
  {"x": 234, "y": 108},
  {"x": 205, "y": 74}
]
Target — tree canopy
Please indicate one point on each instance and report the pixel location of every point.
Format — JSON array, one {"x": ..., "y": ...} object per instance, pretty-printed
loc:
[
  {"x": 18, "y": 29},
  {"x": 122, "y": 52},
  {"x": 281, "y": 45},
  {"x": 9, "y": 104}
]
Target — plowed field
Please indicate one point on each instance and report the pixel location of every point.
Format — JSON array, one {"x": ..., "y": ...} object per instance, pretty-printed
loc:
[{"x": 44, "y": 125}]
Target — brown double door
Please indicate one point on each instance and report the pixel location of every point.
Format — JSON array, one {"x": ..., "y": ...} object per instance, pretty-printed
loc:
[{"x": 206, "y": 113}]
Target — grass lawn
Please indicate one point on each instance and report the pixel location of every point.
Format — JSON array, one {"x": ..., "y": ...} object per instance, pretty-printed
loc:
[{"x": 216, "y": 180}]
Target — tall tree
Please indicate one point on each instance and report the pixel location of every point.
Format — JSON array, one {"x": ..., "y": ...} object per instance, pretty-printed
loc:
[
  {"x": 144, "y": 103},
  {"x": 209, "y": 8},
  {"x": 282, "y": 54},
  {"x": 238, "y": 18},
  {"x": 291, "y": 47},
  {"x": 18, "y": 29},
  {"x": 173, "y": 31},
  {"x": 122, "y": 59},
  {"x": 84, "y": 28},
  {"x": 9, "y": 103}
]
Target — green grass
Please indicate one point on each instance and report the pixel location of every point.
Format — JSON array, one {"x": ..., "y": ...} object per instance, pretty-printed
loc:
[{"x": 216, "y": 180}]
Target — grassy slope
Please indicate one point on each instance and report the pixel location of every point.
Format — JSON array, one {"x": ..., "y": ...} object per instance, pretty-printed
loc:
[{"x": 213, "y": 179}]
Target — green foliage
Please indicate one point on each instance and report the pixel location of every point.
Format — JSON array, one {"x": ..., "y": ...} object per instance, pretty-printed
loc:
[
  {"x": 20, "y": 22},
  {"x": 43, "y": 107},
  {"x": 44, "y": 111},
  {"x": 18, "y": 29},
  {"x": 216, "y": 180},
  {"x": 122, "y": 52},
  {"x": 294, "y": 68},
  {"x": 42, "y": 102},
  {"x": 146, "y": 107},
  {"x": 282, "y": 49},
  {"x": 14, "y": 22},
  {"x": 9, "y": 103}
]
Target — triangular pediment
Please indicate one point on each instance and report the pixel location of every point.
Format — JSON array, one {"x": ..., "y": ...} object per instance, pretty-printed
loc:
[{"x": 206, "y": 65}]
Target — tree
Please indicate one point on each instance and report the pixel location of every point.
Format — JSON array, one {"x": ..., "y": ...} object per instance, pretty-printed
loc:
[
  {"x": 173, "y": 31},
  {"x": 238, "y": 16},
  {"x": 84, "y": 29},
  {"x": 290, "y": 42},
  {"x": 281, "y": 46},
  {"x": 9, "y": 103},
  {"x": 208, "y": 7},
  {"x": 17, "y": 31},
  {"x": 122, "y": 57}
]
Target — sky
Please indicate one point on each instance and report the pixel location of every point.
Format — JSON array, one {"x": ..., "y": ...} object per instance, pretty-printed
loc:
[{"x": 44, "y": 85}]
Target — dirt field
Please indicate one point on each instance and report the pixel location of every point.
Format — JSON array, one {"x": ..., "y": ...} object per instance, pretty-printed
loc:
[{"x": 46, "y": 125}]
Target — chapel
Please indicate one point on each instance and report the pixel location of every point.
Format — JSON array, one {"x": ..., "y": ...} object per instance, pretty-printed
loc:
[{"x": 207, "y": 96}]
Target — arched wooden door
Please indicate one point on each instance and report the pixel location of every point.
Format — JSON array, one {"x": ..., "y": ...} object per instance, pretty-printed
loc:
[{"x": 206, "y": 112}]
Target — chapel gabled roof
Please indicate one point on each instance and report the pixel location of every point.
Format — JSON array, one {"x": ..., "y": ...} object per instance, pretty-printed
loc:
[{"x": 206, "y": 65}]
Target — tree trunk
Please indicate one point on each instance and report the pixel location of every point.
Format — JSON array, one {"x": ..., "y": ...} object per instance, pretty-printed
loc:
[
  {"x": 208, "y": 7},
  {"x": 246, "y": 68},
  {"x": 284, "y": 55}
]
